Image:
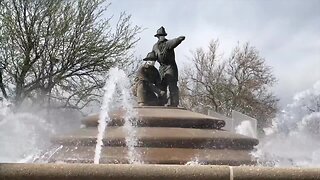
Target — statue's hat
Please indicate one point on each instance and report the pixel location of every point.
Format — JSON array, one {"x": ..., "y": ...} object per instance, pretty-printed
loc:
[
  {"x": 161, "y": 32},
  {"x": 151, "y": 56}
]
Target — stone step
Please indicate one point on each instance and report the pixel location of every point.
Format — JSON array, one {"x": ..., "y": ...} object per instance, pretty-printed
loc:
[
  {"x": 161, "y": 137},
  {"x": 152, "y": 116},
  {"x": 118, "y": 155}
]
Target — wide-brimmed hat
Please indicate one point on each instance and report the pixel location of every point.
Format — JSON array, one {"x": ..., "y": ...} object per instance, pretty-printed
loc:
[
  {"x": 161, "y": 32},
  {"x": 151, "y": 56}
]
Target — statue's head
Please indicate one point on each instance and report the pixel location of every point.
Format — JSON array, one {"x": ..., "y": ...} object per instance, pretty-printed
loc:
[
  {"x": 149, "y": 63},
  {"x": 161, "y": 32},
  {"x": 151, "y": 56}
]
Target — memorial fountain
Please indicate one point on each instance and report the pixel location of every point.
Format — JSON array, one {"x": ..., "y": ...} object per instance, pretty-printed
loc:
[
  {"x": 150, "y": 135},
  {"x": 167, "y": 142}
]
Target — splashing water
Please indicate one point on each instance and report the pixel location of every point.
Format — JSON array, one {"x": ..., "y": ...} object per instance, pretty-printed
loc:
[
  {"x": 247, "y": 129},
  {"x": 129, "y": 118},
  {"x": 117, "y": 82},
  {"x": 23, "y": 137},
  {"x": 104, "y": 118},
  {"x": 293, "y": 138},
  {"x": 194, "y": 162},
  {"x": 44, "y": 158}
]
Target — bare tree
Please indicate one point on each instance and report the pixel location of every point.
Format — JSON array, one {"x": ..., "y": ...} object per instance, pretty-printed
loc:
[
  {"x": 242, "y": 82},
  {"x": 249, "y": 82},
  {"x": 199, "y": 85},
  {"x": 60, "y": 50}
]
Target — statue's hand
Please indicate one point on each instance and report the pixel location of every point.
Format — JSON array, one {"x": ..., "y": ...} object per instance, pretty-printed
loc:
[
  {"x": 181, "y": 38},
  {"x": 163, "y": 93}
]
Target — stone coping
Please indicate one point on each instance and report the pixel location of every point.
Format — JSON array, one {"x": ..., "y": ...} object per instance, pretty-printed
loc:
[
  {"x": 161, "y": 137},
  {"x": 119, "y": 155},
  {"x": 154, "y": 172},
  {"x": 154, "y": 116}
]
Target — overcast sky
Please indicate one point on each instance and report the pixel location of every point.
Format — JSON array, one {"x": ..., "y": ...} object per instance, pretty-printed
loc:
[{"x": 286, "y": 32}]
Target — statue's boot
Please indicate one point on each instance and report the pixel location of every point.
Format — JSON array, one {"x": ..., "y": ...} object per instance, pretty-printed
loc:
[
  {"x": 174, "y": 99},
  {"x": 174, "y": 94}
]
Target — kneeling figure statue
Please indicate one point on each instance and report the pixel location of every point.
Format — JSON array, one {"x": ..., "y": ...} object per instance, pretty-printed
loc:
[{"x": 147, "y": 82}]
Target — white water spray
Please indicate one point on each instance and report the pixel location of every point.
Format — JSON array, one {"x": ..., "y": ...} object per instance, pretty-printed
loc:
[
  {"x": 293, "y": 138},
  {"x": 129, "y": 118},
  {"x": 117, "y": 82},
  {"x": 23, "y": 137},
  {"x": 194, "y": 162},
  {"x": 104, "y": 118},
  {"x": 246, "y": 128}
]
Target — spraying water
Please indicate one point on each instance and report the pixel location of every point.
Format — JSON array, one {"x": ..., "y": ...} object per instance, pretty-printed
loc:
[
  {"x": 194, "y": 162},
  {"x": 293, "y": 138},
  {"x": 130, "y": 123},
  {"x": 25, "y": 134},
  {"x": 246, "y": 128},
  {"x": 117, "y": 90},
  {"x": 23, "y": 137}
]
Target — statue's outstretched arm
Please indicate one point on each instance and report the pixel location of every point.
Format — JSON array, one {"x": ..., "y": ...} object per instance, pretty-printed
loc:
[{"x": 172, "y": 43}]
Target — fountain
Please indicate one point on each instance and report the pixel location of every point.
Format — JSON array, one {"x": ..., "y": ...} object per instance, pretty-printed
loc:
[
  {"x": 150, "y": 135},
  {"x": 171, "y": 143}
]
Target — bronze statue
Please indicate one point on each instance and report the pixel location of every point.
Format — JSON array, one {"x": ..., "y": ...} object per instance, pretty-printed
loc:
[
  {"x": 164, "y": 50},
  {"x": 147, "y": 83}
]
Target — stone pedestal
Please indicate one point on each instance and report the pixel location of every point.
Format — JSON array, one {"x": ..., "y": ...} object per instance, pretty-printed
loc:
[{"x": 165, "y": 136}]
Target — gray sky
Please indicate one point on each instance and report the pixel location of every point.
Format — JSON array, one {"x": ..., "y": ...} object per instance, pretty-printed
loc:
[{"x": 286, "y": 32}]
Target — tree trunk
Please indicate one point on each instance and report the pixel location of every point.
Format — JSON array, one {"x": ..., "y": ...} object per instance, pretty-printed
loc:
[{"x": 3, "y": 90}]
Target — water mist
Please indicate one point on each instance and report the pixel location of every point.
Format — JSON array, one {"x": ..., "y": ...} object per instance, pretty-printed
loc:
[
  {"x": 293, "y": 138},
  {"x": 23, "y": 137}
]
